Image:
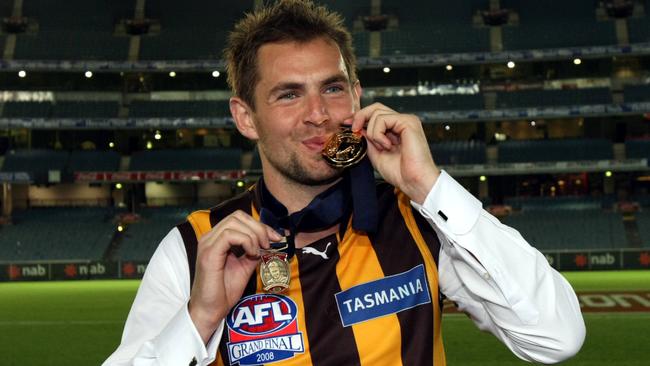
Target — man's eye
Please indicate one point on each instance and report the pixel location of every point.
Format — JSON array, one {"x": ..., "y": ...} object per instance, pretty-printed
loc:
[
  {"x": 288, "y": 96},
  {"x": 334, "y": 89}
]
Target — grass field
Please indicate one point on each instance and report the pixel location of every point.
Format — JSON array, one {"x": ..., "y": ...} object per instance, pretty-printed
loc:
[{"x": 79, "y": 323}]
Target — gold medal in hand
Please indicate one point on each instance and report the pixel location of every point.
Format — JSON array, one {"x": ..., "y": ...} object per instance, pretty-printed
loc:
[
  {"x": 275, "y": 271},
  {"x": 345, "y": 148}
]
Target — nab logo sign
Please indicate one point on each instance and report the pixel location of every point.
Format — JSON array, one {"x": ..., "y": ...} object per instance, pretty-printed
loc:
[{"x": 262, "y": 328}]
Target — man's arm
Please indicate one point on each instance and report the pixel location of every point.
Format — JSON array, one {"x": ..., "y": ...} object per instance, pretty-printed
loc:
[
  {"x": 159, "y": 330},
  {"x": 505, "y": 285},
  {"x": 169, "y": 324}
]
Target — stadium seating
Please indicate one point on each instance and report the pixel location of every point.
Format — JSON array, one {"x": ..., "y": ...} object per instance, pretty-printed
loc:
[
  {"x": 350, "y": 9},
  {"x": 57, "y": 233},
  {"x": 256, "y": 162},
  {"x": 197, "y": 32},
  {"x": 556, "y": 23},
  {"x": 81, "y": 161},
  {"x": 638, "y": 28},
  {"x": 141, "y": 239},
  {"x": 424, "y": 103},
  {"x": 518, "y": 99},
  {"x": 5, "y": 8},
  {"x": 179, "y": 109},
  {"x": 458, "y": 152},
  {"x": 515, "y": 151},
  {"x": 78, "y": 29},
  {"x": 361, "y": 44},
  {"x": 637, "y": 149},
  {"x": 570, "y": 229},
  {"x": 559, "y": 203},
  {"x": 426, "y": 28},
  {"x": 532, "y": 98},
  {"x": 642, "y": 199},
  {"x": 36, "y": 162},
  {"x": 85, "y": 110},
  {"x": 643, "y": 223},
  {"x": 27, "y": 110},
  {"x": 197, "y": 159},
  {"x": 637, "y": 93}
]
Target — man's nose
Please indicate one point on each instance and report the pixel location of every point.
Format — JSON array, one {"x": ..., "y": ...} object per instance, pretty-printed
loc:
[{"x": 317, "y": 112}]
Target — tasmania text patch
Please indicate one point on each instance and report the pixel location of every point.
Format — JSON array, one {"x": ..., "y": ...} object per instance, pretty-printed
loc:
[{"x": 388, "y": 295}]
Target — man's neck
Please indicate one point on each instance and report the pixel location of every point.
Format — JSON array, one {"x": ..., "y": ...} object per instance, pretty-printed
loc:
[{"x": 293, "y": 195}]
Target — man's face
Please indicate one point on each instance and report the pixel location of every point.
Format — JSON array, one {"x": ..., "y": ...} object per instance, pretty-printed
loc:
[
  {"x": 274, "y": 268},
  {"x": 302, "y": 98}
]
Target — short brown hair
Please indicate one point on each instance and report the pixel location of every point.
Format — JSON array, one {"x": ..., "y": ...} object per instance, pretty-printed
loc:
[{"x": 286, "y": 20}]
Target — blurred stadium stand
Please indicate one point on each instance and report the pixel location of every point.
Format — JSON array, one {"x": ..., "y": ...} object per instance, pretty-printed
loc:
[
  {"x": 556, "y": 23},
  {"x": 361, "y": 44},
  {"x": 637, "y": 149},
  {"x": 637, "y": 93},
  {"x": 57, "y": 233},
  {"x": 141, "y": 239},
  {"x": 98, "y": 161},
  {"x": 75, "y": 29},
  {"x": 77, "y": 109},
  {"x": 638, "y": 28},
  {"x": 433, "y": 28},
  {"x": 179, "y": 109},
  {"x": 560, "y": 203},
  {"x": 643, "y": 220},
  {"x": 530, "y": 98},
  {"x": 458, "y": 152},
  {"x": 421, "y": 103},
  {"x": 198, "y": 32},
  {"x": 514, "y": 151},
  {"x": 88, "y": 31},
  {"x": 194, "y": 159},
  {"x": 350, "y": 10},
  {"x": 38, "y": 163},
  {"x": 570, "y": 229},
  {"x": 27, "y": 110},
  {"x": 256, "y": 162}
]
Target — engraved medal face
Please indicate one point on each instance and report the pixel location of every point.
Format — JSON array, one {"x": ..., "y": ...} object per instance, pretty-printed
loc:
[
  {"x": 275, "y": 271},
  {"x": 344, "y": 149}
]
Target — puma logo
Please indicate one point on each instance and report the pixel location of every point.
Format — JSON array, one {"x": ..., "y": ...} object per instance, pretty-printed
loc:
[{"x": 314, "y": 251}]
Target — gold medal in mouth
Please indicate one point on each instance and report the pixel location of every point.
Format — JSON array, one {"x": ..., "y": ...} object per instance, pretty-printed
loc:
[{"x": 345, "y": 148}]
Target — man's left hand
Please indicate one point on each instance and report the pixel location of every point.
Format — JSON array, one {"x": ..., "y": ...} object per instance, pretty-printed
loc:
[{"x": 398, "y": 149}]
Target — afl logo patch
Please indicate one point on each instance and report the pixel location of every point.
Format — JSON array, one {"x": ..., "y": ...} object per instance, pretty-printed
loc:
[{"x": 263, "y": 328}]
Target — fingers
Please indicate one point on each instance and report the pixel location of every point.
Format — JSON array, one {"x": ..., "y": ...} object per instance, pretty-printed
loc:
[
  {"x": 378, "y": 120},
  {"x": 380, "y": 125},
  {"x": 245, "y": 240},
  {"x": 240, "y": 230},
  {"x": 364, "y": 115}
]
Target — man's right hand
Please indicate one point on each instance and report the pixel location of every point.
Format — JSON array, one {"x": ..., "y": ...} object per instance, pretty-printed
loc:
[{"x": 221, "y": 276}]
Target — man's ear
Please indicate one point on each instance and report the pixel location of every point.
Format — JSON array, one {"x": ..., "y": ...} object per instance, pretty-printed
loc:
[
  {"x": 358, "y": 92},
  {"x": 243, "y": 116}
]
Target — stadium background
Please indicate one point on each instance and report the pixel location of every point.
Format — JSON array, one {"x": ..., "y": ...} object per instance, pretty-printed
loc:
[{"x": 114, "y": 124}]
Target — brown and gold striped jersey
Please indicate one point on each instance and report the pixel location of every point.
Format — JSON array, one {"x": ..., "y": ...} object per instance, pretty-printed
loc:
[{"x": 354, "y": 298}]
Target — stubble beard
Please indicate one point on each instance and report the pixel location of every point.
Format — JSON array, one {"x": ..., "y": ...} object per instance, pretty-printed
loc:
[{"x": 293, "y": 171}]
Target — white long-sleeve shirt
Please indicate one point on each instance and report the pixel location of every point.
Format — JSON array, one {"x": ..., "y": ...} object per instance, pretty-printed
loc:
[{"x": 487, "y": 268}]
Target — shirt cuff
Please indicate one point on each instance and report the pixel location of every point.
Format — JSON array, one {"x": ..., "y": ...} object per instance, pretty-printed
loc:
[
  {"x": 181, "y": 344},
  {"x": 450, "y": 206}
]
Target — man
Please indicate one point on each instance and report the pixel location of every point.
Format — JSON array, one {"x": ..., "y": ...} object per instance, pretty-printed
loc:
[{"x": 364, "y": 289}]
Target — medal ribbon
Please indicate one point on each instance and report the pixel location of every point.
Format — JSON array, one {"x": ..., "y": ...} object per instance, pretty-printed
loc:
[{"x": 356, "y": 189}]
